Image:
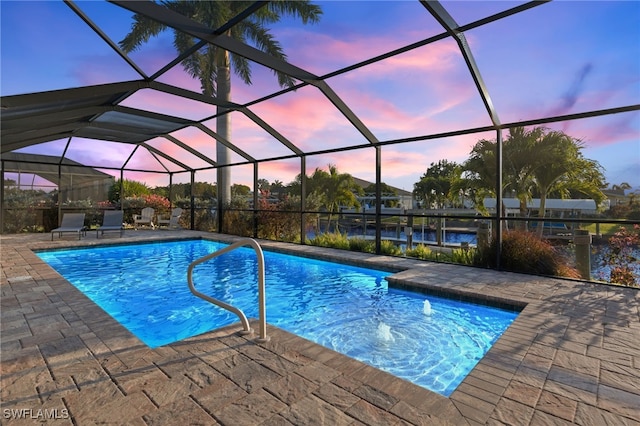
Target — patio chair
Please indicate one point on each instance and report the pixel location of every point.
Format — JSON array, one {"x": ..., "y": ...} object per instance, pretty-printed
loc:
[
  {"x": 144, "y": 218},
  {"x": 71, "y": 222},
  {"x": 172, "y": 221},
  {"x": 112, "y": 221}
]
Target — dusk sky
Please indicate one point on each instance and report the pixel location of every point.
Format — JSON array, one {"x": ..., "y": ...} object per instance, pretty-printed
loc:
[{"x": 563, "y": 57}]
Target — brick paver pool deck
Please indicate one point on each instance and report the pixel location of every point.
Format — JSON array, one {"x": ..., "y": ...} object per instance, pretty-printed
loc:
[{"x": 571, "y": 356}]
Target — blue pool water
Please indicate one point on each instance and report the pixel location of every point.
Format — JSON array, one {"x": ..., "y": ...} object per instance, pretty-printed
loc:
[{"x": 349, "y": 309}]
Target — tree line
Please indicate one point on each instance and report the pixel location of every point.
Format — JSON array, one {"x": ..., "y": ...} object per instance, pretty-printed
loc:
[{"x": 537, "y": 163}]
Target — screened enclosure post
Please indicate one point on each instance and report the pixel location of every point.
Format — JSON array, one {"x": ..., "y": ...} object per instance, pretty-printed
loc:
[
  {"x": 255, "y": 200},
  {"x": 219, "y": 201},
  {"x": 378, "y": 199},
  {"x": 303, "y": 199},
  {"x": 122, "y": 189},
  {"x": 498, "y": 222},
  {"x": 59, "y": 194},
  {"x": 170, "y": 190},
  {"x": 192, "y": 200},
  {"x": 2, "y": 166}
]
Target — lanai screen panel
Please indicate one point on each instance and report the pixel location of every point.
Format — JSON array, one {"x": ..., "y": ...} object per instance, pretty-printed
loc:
[
  {"x": 181, "y": 153},
  {"x": 352, "y": 32},
  {"x": 427, "y": 90},
  {"x": 530, "y": 67},
  {"x": 564, "y": 69},
  {"x": 468, "y": 12},
  {"x": 54, "y": 49},
  {"x": 253, "y": 139},
  {"x": 170, "y": 105},
  {"x": 309, "y": 120}
]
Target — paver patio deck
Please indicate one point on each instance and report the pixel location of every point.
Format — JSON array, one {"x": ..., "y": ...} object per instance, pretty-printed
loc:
[{"x": 571, "y": 356}]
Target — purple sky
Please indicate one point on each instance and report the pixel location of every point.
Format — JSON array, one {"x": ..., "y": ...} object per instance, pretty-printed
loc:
[{"x": 559, "y": 58}]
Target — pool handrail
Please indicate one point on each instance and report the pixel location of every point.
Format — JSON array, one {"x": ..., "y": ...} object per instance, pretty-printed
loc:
[{"x": 261, "y": 286}]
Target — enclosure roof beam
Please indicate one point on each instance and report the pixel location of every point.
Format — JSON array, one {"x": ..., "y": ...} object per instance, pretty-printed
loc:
[
  {"x": 190, "y": 150},
  {"x": 273, "y": 132},
  {"x": 182, "y": 23},
  {"x": 188, "y": 26},
  {"x": 451, "y": 26},
  {"x": 227, "y": 26},
  {"x": 194, "y": 96},
  {"x": 105, "y": 37},
  {"x": 224, "y": 142},
  {"x": 165, "y": 156}
]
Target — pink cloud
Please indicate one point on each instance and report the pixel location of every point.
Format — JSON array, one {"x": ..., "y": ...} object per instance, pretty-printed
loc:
[
  {"x": 603, "y": 131},
  {"x": 308, "y": 120},
  {"x": 112, "y": 154},
  {"x": 441, "y": 57},
  {"x": 330, "y": 53},
  {"x": 396, "y": 118},
  {"x": 284, "y": 171}
]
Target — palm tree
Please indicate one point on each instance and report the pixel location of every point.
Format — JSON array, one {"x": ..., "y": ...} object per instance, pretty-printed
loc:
[
  {"x": 334, "y": 189},
  {"x": 535, "y": 161},
  {"x": 519, "y": 149},
  {"x": 621, "y": 188},
  {"x": 479, "y": 173},
  {"x": 436, "y": 185},
  {"x": 212, "y": 65},
  {"x": 557, "y": 165}
]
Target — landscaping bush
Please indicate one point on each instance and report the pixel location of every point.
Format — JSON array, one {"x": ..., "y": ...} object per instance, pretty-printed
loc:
[
  {"x": 423, "y": 252},
  {"x": 331, "y": 239},
  {"x": 420, "y": 251},
  {"x": 204, "y": 220},
  {"x": 238, "y": 222},
  {"x": 389, "y": 248},
  {"x": 622, "y": 258},
  {"x": 463, "y": 256},
  {"x": 629, "y": 211},
  {"x": 360, "y": 244},
  {"x": 278, "y": 221},
  {"x": 341, "y": 241},
  {"x": 525, "y": 252}
]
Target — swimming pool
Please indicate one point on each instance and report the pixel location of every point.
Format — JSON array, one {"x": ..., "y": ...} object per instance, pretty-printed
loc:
[{"x": 433, "y": 342}]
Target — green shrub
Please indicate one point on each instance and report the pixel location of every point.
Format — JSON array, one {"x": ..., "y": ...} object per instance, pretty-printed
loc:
[
  {"x": 420, "y": 251},
  {"x": 238, "y": 223},
  {"x": 525, "y": 252},
  {"x": 389, "y": 248},
  {"x": 19, "y": 220},
  {"x": 331, "y": 239},
  {"x": 204, "y": 220},
  {"x": 463, "y": 256},
  {"x": 621, "y": 256},
  {"x": 280, "y": 222},
  {"x": 360, "y": 244}
]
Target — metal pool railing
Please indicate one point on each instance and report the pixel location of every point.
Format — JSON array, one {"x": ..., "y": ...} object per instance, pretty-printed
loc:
[{"x": 261, "y": 287}]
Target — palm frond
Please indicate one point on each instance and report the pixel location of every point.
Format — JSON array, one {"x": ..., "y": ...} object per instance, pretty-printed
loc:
[
  {"x": 242, "y": 68},
  {"x": 305, "y": 10},
  {"x": 215, "y": 14},
  {"x": 262, "y": 38},
  {"x": 142, "y": 30}
]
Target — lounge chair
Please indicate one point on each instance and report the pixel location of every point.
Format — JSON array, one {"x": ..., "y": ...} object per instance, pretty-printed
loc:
[
  {"x": 172, "y": 221},
  {"x": 112, "y": 221},
  {"x": 144, "y": 218},
  {"x": 71, "y": 222}
]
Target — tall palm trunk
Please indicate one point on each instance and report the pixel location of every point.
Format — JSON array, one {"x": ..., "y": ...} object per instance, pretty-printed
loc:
[
  {"x": 541, "y": 213},
  {"x": 522, "y": 225},
  {"x": 223, "y": 127}
]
